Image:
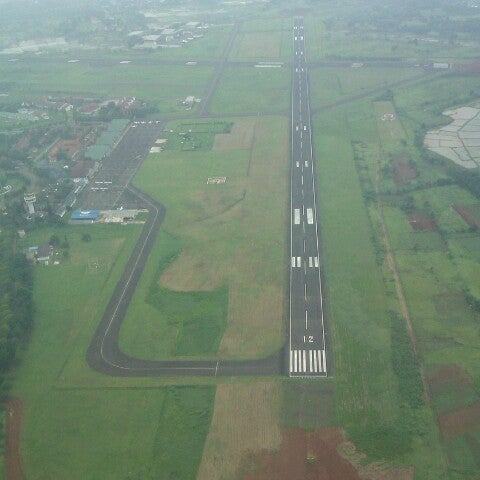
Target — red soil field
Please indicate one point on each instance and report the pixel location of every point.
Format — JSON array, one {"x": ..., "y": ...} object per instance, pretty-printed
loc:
[
  {"x": 419, "y": 221},
  {"x": 13, "y": 460},
  {"x": 460, "y": 421},
  {"x": 306, "y": 455},
  {"x": 403, "y": 172},
  {"x": 467, "y": 215}
]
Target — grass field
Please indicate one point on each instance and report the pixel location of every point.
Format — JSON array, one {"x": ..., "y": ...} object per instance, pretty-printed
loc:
[
  {"x": 252, "y": 90},
  {"x": 158, "y": 84},
  {"x": 101, "y": 432},
  {"x": 206, "y": 221},
  {"x": 330, "y": 84}
]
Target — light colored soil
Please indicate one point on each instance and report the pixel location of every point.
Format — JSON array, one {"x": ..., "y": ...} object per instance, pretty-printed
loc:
[
  {"x": 460, "y": 421},
  {"x": 241, "y": 136},
  {"x": 192, "y": 273},
  {"x": 245, "y": 420}
]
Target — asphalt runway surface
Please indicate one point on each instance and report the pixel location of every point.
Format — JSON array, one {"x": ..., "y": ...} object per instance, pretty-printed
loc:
[{"x": 307, "y": 352}]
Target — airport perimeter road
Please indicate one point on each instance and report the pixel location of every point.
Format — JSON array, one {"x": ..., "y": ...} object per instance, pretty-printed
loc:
[{"x": 306, "y": 357}]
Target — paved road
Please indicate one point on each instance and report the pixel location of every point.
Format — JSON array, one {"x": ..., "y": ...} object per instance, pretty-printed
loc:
[
  {"x": 307, "y": 354},
  {"x": 205, "y": 103}
]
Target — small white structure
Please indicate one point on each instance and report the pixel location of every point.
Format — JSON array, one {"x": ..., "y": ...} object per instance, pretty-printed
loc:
[{"x": 30, "y": 200}]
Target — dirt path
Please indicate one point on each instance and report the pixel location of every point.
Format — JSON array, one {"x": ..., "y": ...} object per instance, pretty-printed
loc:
[
  {"x": 392, "y": 265},
  {"x": 13, "y": 460}
]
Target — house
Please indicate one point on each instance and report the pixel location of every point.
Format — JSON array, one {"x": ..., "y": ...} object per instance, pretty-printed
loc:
[{"x": 43, "y": 253}]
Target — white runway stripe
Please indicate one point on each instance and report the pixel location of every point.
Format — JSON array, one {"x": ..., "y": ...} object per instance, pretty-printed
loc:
[
  {"x": 304, "y": 361},
  {"x": 293, "y": 262},
  {"x": 306, "y": 163},
  {"x": 324, "y": 361},
  {"x": 299, "y": 261},
  {"x": 309, "y": 216},
  {"x": 315, "y": 362},
  {"x": 310, "y": 365},
  {"x": 310, "y": 262},
  {"x": 295, "y": 361},
  {"x": 316, "y": 262},
  {"x": 296, "y": 215}
]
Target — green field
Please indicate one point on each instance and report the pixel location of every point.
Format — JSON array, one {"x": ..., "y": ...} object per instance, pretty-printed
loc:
[
  {"x": 160, "y": 85},
  {"x": 209, "y": 260},
  {"x": 252, "y": 90}
]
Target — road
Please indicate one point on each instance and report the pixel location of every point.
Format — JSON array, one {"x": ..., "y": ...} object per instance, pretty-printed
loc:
[{"x": 307, "y": 353}]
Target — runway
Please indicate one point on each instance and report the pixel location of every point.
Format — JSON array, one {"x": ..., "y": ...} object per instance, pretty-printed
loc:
[{"x": 307, "y": 353}]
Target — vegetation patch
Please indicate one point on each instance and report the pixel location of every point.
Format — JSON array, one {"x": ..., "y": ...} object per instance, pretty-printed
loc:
[
  {"x": 405, "y": 364},
  {"x": 196, "y": 136},
  {"x": 183, "y": 425},
  {"x": 198, "y": 317}
]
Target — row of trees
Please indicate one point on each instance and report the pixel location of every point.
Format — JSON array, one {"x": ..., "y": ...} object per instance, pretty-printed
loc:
[{"x": 16, "y": 301}]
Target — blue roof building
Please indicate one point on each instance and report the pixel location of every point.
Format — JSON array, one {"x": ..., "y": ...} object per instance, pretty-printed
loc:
[{"x": 85, "y": 215}]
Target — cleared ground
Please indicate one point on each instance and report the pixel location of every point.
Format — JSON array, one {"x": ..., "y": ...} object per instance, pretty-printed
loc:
[{"x": 245, "y": 420}]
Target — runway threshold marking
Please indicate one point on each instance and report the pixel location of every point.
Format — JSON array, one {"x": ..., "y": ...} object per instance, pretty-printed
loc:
[{"x": 308, "y": 361}]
